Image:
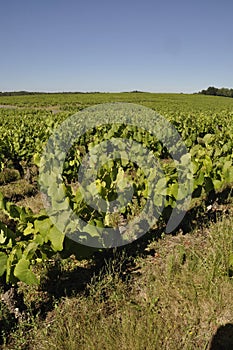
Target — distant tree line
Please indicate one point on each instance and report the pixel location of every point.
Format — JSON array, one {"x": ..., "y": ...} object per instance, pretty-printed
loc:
[
  {"x": 217, "y": 92},
  {"x": 18, "y": 93},
  {"x": 21, "y": 93}
]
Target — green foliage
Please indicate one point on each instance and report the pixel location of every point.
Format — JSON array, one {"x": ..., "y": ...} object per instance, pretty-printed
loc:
[{"x": 206, "y": 128}]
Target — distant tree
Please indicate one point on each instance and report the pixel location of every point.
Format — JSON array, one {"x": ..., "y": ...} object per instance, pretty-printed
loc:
[
  {"x": 217, "y": 92},
  {"x": 203, "y": 92},
  {"x": 211, "y": 91}
]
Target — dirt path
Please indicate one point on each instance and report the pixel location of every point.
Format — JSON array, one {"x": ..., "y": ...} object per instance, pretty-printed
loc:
[{"x": 8, "y": 106}]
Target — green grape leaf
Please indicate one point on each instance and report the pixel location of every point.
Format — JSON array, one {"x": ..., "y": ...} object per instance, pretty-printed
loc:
[
  {"x": 29, "y": 229},
  {"x": 43, "y": 226},
  {"x": 56, "y": 238},
  {"x": 2, "y": 237},
  {"x": 3, "y": 263},
  {"x": 23, "y": 272}
]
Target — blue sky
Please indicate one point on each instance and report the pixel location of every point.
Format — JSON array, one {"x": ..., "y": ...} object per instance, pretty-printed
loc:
[{"x": 158, "y": 46}]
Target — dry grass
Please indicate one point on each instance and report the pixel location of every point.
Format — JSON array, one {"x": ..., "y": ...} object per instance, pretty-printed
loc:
[
  {"x": 182, "y": 295},
  {"x": 18, "y": 189},
  {"x": 35, "y": 203}
]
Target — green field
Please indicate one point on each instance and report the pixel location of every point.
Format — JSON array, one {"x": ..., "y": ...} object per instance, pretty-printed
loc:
[{"x": 133, "y": 298}]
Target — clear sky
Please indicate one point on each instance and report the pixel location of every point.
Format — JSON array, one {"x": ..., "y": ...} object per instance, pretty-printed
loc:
[{"x": 91, "y": 45}]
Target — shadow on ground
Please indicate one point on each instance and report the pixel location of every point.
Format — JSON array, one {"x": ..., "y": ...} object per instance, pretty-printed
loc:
[{"x": 223, "y": 338}]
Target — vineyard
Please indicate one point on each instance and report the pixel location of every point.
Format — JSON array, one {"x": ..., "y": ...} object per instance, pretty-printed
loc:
[
  {"x": 208, "y": 135},
  {"x": 29, "y": 236}
]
